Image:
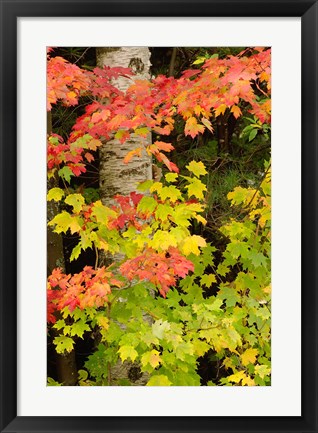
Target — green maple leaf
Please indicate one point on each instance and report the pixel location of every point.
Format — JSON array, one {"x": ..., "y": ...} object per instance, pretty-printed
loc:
[
  {"x": 147, "y": 205},
  {"x": 55, "y": 194},
  {"x": 159, "y": 380},
  {"x": 207, "y": 280},
  {"x": 262, "y": 370},
  {"x": 102, "y": 213},
  {"x": 159, "y": 328},
  {"x": 52, "y": 382},
  {"x": 238, "y": 195},
  {"x": 66, "y": 173},
  {"x": 62, "y": 222},
  {"x": 152, "y": 358},
  {"x": 162, "y": 240},
  {"x": 234, "y": 338},
  {"x": 181, "y": 215},
  {"x": 258, "y": 259},
  {"x": 76, "y": 252},
  {"x": 59, "y": 324},
  {"x": 63, "y": 344},
  {"x": 229, "y": 295},
  {"x": 143, "y": 132},
  {"x": 126, "y": 352},
  {"x": 144, "y": 186},
  {"x": 200, "y": 347},
  {"x": 163, "y": 211},
  {"x": 238, "y": 249},
  {"x": 86, "y": 240},
  {"x": 76, "y": 201},
  {"x": 183, "y": 349},
  {"x": 197, "y": 168},
  {"x": 215, "y": 306},
  {"x": 171, "y": 192},
  {"x": 222, "y": 269},
  {"x": 196, "y": 188},
  {"x": 78, "y": 328}
]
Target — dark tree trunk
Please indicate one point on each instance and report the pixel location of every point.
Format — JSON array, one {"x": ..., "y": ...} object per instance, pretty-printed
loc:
[{"x": 66, "y": 363}]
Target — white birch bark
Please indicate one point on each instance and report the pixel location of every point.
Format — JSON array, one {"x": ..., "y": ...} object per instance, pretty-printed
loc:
[{"x": 115, "y": 176}]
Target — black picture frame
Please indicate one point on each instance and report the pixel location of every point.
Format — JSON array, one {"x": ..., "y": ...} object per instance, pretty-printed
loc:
[{"x": 10, "y": 11}]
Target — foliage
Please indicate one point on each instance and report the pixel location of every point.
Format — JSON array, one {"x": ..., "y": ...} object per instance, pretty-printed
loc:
[{"x": 174, "y": 297}]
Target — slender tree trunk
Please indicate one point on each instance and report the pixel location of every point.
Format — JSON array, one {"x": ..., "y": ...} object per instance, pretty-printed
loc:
[
  {"x": 172, "y": 61},
  {"x": 116, "y": 177},
  {"x": 66, "y": 363}
]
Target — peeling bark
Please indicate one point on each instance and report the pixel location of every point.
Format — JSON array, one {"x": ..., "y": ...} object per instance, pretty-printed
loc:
[{"x": 115, "y": 176}]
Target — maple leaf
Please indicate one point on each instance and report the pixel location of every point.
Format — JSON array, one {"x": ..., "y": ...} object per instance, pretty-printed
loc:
[
  {"x": 66, "y": 173},
  {"x": 152, "y": 358},
  {"x": 200, "y": 347},
  {"x": 142, "y": 132},
  {"x": 206, "y": 122},
  {"x": 171, "y": 192},
  {"x": 249, "y": 356},
  {"x": 208, "y": 279},
  {"x": 236, "y": 377},
  {"x": 55, "y": 194},
  {"x": 220, "y": 110},
  {"x": 163, "y": 240},
  {"x": 262, "y": 370},
  {"x": 159, "y": 380},
  {"x": 78, "y": 328},
  {"x": 195, "y": 188},
  {"x": 236, "y": 111},
  {"x": 171, "y": 177},
  {"x": 127, "y": 352},
  {"x": 62, "y": 222},
  {"x": 76, "y": 252},
  {"x": 229, "y": 295},
  {"x": 192, "y": 243},
  {"x": 192, "y": 127},
  {"x": 122, "y": 135},
  {"x": 248, "y": 381},
  {"x": 197, "y": 168},
  {"x": 63, "y": 344},
  {"x": 163, "y": 211},
  {"x": 147, "y": 205},
  {"x": 161, "y": 145},
  {"x": 102, "y": 213},
  {"x": 89, "y": 157},
  {"x": 159, "y": 328},
  {"x": 76, "y": 201},
  {"x": 115, "y": 122},
  {"x": 132, "y": 153},
  {"x": 183, "y": 349}
]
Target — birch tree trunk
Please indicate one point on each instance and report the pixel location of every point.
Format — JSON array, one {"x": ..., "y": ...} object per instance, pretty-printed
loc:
[{"x": 116, "y": 177}]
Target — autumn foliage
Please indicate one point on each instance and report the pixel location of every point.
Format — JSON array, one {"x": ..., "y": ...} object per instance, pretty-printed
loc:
[{"x": 173, "y": 298}]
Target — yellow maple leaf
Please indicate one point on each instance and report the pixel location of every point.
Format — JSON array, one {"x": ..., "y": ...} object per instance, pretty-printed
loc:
[
  {"x": 236, "y": 111},
  {"x": 191, "y": 244},
  {"x": 220, "y": 110},
  {"x": 249, "y": 356},
  {"x": 248, "y": 381}
]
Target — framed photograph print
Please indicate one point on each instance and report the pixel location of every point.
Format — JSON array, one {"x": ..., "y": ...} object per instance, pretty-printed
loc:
[{"x": 158, "y": 216}]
